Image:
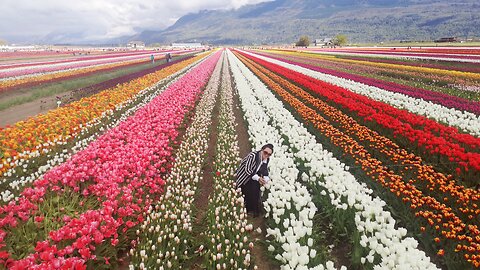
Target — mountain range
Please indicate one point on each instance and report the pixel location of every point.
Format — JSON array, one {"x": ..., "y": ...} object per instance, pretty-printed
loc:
[{"x": 284, "y": 21}]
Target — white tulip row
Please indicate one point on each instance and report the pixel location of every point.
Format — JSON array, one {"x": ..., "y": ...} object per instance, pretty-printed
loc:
[
  {"x": 226, "y": 217},
  {"x": 289, "y": 203},
  {"x": 464, "y": 120},
  {"x": 165, "y": 237},
  {"x": 388, "y": 247},
  {"x": 87, "y": 134}
]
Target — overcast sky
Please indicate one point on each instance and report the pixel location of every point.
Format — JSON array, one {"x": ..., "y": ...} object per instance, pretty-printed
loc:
[{"x": 70, "y": 21}]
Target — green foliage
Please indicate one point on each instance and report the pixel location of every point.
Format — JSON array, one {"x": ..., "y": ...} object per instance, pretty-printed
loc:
[
  {"x": 303, "y": 41},
  {"x": 340, "y": 40}
]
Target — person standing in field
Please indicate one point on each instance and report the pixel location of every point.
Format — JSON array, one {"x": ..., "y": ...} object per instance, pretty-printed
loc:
[
  {"x": 251, "y": 174},
  {"x": 152, "y": 58}
]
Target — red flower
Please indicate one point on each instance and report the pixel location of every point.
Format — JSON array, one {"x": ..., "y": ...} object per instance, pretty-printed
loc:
[
  {"x": 4, "y": 255},
  {"x": 115, "y": 242},
  {"x": 218, "y": 173},
  {"x": 85, "y": 253},
  {"x": 130, "y": 224},
  {"x": 38, "y": 219},
  {"x": 97, "y": 237}
]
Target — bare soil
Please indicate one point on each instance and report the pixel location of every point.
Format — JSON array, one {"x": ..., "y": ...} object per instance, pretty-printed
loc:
[{"x": 26, "y": 110}]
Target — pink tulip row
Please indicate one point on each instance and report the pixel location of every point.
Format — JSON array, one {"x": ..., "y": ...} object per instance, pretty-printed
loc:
[
  {"x": 52, "y": 67},
  {"x": 122, "y": 169}
]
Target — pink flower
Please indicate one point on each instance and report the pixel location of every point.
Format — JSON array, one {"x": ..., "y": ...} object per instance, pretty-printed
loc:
[
  {"x": 66, "y": 218},
  {"x": 97, "y": 237}
]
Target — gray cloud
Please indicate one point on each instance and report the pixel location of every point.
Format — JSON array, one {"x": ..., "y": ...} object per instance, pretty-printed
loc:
[{"x": 88, "y": 20}]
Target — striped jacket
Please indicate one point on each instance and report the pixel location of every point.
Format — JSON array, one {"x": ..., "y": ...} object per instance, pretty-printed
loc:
[{"x": 248, "y": 168}]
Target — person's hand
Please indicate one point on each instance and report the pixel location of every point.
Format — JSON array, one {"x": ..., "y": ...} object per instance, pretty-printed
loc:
[{"x": 262, "y": 181}]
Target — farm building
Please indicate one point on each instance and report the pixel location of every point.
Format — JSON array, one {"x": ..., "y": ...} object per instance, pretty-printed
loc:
[
  {"x": 323, "y": 42},
  {"x": 136, "y": 44}
]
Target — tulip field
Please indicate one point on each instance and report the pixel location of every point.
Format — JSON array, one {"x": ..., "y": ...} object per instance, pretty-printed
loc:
[{"x": 376, "y": 161}]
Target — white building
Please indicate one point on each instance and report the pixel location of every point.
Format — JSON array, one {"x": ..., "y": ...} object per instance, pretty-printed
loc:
[
  {"x": 323, "y": 42},
  {"x": 136, "y": 44}
]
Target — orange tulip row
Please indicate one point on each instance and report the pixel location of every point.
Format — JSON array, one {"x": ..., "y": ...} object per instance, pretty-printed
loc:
[
  {"x": 437, "y": 214},
  {"x": 37, "y": 133}
]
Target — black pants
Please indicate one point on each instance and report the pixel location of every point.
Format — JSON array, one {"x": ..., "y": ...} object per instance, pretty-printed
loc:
[{"x": 251, "y": 191}]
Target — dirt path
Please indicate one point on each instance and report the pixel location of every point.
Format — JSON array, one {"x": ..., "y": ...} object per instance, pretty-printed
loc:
[
  {"x": 259, "y": 252},
  {"x": 204, "y": 190},
  {"x": 26, "y": 110}
]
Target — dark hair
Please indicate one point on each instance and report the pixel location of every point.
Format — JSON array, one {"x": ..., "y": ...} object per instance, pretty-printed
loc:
[{"x": 268, "y": 145}]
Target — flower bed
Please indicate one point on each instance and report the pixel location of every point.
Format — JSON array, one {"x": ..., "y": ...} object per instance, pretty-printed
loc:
[
  {"x": 385, "y": 245},
  {"x": 449, "y": 228},
  {"x": 24, "y": 144},
  {"x": 122, "y": 169},
  {"x": 165, "y": 240},
  {"x": 429, "y": 137},
  {"x": 443, "y": 99},
  {"x": 289, "y": 205}
]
